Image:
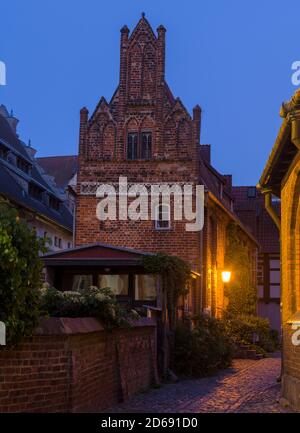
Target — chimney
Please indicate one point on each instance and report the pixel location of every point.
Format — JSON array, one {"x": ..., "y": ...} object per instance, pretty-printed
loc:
[
  {"x": 84, "y": 115},
  {"x": 30, "y": 150},
  {"x": 13, "y": 121},
  {"x": 228, "y": 180},
  {"x": 205, "y": 152},
  {"x": 197, "y": 122}
]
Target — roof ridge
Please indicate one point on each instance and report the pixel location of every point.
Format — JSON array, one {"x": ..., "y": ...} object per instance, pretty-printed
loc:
[{"x": 57, "y": 156}]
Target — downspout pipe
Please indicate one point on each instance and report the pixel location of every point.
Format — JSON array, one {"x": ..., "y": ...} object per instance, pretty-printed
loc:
[
  {"x": 273, "y": 214},
  {"x": 270, "y": 209}
]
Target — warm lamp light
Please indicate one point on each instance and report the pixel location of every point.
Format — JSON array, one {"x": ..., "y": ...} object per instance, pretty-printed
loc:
[{"x": 226, "y": 275}]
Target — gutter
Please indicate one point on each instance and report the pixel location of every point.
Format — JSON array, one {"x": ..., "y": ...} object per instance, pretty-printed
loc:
[
  {"x": 290, "y": 130},
  {"x": 269, "y": 208}
]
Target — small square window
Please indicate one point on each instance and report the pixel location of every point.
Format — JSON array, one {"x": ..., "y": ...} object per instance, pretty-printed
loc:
[
  {"x": 162, "y": 220},
  {"x": 251, "y": 193},
  {"x": 34, "y": 191}
]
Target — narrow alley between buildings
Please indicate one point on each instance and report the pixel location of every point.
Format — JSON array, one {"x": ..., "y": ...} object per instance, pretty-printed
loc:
[{"x": 248, "y": 386}]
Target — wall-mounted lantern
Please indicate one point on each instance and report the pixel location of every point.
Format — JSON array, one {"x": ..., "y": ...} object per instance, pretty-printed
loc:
[{"x": 226, "y": 276}]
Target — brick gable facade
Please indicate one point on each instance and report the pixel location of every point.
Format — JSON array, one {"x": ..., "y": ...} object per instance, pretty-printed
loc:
[
  {"x": 112, "y": 144},
  {"x": 142, "y": 103}
]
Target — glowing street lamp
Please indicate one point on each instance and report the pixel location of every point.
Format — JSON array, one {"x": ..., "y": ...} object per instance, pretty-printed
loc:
[{"x": 226, "y": 275}]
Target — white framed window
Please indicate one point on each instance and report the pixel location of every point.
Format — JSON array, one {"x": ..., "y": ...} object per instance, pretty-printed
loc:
[{"x": 162, "y": 217}]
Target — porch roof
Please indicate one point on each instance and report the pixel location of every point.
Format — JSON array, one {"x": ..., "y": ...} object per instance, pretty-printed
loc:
[{"x": 96, "y": 254}]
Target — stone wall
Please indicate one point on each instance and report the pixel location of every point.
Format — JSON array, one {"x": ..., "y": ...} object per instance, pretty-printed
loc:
[{"x": 74, "y": 365}]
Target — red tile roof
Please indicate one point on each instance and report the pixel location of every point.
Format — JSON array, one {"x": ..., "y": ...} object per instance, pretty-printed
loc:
[
  {"x": 252, "y": 212},
  {"x": 62, "y": 168}
]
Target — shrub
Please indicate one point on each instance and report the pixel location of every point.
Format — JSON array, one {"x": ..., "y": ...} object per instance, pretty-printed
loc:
[
  {"x": 99, "y": 303},
  {"x": 240, "y": 316},
  {"x": 250, "y": 329},
  {"x": 20, "y": 274},
  {"x": 203, "y": 350}
]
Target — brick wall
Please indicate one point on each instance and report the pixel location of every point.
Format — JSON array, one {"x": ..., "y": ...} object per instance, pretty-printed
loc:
[
  {"x": 143, "y": 102},
  {"x": 290, "y": 283},
  {"x": 74, "y": 365}
]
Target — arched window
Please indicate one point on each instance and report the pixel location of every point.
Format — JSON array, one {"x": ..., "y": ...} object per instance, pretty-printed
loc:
[
  {"x": 146, "y": 144},
  {"x": 132, "y": 145},
  {"x": 163, "y": 217}
]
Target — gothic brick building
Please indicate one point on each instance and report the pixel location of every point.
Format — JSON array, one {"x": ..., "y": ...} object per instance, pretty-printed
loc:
[{"x": 146, "y": 134}]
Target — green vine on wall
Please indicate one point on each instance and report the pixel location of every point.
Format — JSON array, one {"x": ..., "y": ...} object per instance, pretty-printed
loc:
[
  {"x": 241, "y": 292},
  {"x": 20, "y": 274},
  {"x": 174, "y": 273}
]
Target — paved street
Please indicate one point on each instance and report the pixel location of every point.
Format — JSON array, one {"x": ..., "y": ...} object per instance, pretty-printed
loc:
[{"x": 248, "y": 386}]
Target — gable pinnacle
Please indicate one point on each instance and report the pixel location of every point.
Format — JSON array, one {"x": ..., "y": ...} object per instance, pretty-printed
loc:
[
  {"x": 161, "y": 29},
  {"x": 125, "y": 29}
]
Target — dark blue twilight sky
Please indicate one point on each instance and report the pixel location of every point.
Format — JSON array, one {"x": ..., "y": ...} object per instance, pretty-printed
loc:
[{"x": 232, "y": 57}]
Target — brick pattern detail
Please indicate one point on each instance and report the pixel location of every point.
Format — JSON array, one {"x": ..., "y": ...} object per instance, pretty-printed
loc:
[{"x": 77, "y": 373}]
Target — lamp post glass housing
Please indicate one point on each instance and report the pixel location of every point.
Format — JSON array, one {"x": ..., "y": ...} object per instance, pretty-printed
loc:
[{"x": 226, "y": 276}]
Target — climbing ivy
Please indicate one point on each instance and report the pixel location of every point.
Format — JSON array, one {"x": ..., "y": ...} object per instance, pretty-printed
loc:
[
  {"x": 241, "y": 292},
  {"x": 20, "y": 274},
  {"x": 175, "y": 273}
]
